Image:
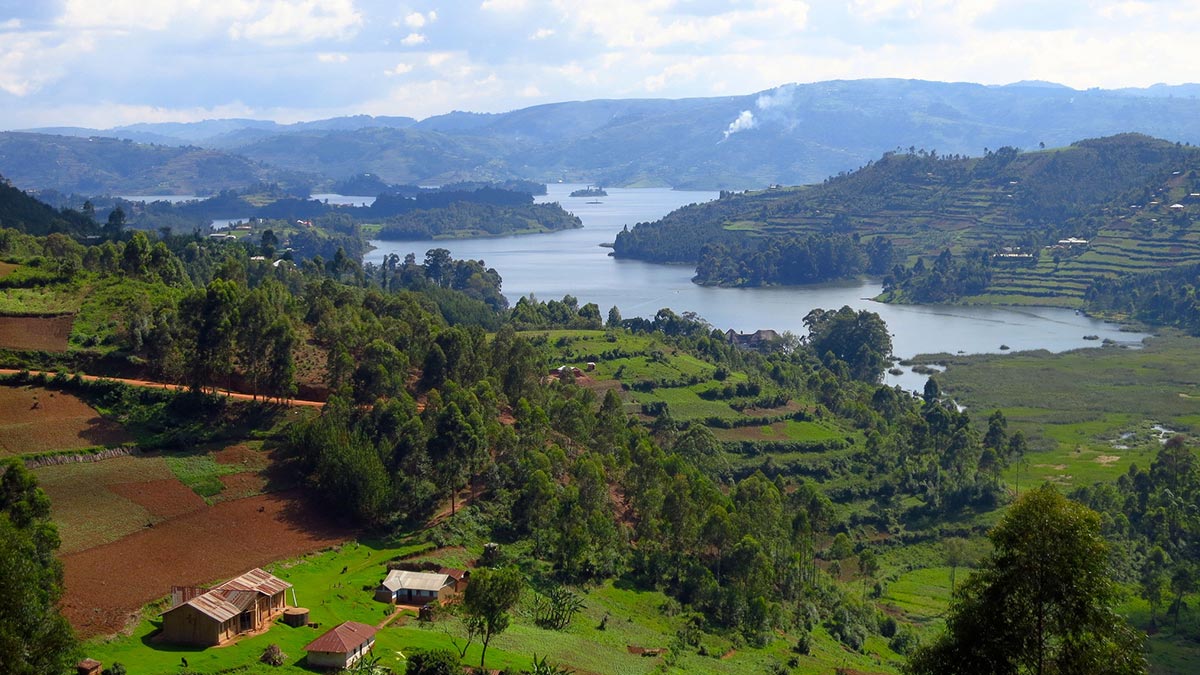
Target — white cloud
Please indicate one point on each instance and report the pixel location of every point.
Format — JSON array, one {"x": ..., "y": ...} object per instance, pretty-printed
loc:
[
  {"x": 680, "y": 71},
  {"x": 270, "y": 21},
  {"x": 104, "y": 114},
  {"x": 584, "y": 49},
  {"x": 654, "y": 24},
  {"x": 300, "y": 21},
  {"x": 30, "y": 61},
  {"x": 504, "y": 5}
]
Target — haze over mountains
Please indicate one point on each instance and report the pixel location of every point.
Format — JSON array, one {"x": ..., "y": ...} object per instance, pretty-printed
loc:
[{"x": 791, "y": 135}]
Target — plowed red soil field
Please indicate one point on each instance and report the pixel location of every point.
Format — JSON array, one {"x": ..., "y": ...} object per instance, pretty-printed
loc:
[
  {"x": 107, "y": 585},
  {"x": 165, "y": 499},
  {"x": 34, "y": 420},
  {"x": 48, "y": 333}
]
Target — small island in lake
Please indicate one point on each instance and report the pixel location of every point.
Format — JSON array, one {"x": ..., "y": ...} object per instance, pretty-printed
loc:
[{"x": 590, "y": 191}]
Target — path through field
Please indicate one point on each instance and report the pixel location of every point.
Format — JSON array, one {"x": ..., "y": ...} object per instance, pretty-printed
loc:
[{"x": 166, "y": 385}]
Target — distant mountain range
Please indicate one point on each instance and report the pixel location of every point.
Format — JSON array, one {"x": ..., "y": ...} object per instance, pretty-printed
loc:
[
  {"x": 789, "y": 135},
  {"x": 101, "y": 165}
]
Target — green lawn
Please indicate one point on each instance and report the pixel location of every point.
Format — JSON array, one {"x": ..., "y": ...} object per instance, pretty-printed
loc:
[{"x": 320, "y": 585}]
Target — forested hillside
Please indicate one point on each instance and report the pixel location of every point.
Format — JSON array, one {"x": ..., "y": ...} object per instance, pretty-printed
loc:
[
  {"x": 19, "y": 211},
  {"x": 1033, "y": 227},
  {"x": 98, "y": 165},
  {"x": 765, "y": 496}
]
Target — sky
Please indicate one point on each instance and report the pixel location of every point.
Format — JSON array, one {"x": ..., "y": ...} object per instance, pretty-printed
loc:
[{"x": 104, "y": 63}]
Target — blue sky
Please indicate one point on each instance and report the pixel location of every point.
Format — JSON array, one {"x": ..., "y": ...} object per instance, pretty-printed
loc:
[{"x": 102, "y": 63}]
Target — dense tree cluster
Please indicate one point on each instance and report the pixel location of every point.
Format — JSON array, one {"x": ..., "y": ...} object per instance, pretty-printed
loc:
[
  {"x": 1041, "y": 603},
  {"x": 1152, "y": 515},
  {"x": 1167, "y": 298},
  {"x": 947, "y": 279},
  {"x": 858, "y": 341},
  {"x": 34, "y": 638},
  {"x": 478, "y": 219},
  {"x": 784, "y": 260}
]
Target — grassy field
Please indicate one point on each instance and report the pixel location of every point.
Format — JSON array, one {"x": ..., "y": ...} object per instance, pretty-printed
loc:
[
  {"x": 320, "y": 585},
  {"x": 1093, "y": 412},
  {"x": 651, "y": 372},
  {"x": 921, "y": 596},
  {"x": 336, "y": 586},
  {"x": 201, "y": 472}
]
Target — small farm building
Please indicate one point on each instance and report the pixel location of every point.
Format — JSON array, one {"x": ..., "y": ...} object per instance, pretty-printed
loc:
[
  {"x": 341, "y": 646},
  {"x": 458, "y": 578},
  {"x": 89, "y": 667},
  {"x": 243, "y": 604},
  {"x": 753, "y": 340},
  {"x": 413, "y": 588}
]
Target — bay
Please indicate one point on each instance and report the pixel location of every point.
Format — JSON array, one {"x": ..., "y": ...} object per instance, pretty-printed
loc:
[{"x": 573, "y": 262}]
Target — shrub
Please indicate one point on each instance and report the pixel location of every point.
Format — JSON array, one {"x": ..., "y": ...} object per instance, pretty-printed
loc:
[
  {"x": 803, "y": 644},
  {"x": 904, "y": 641},
  {"x": 273, "y": 656},
  {"x": 433, "y": 662}
]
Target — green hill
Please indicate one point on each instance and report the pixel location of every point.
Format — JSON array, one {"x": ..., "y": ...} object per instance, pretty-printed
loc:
[
  {"x": 110, "y": 166},
  {"x": 1001, "y": 217},
  {"x": 19, "y": 211}
]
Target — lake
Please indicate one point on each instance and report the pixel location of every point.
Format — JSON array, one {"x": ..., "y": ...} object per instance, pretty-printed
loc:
[{"x": 549, "y": 266}]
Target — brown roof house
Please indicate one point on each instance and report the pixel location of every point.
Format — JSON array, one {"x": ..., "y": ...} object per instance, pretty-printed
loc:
[
  {"x": 756, "y": 340},
  {"x": 414, "y": 588},
  {"x": 211, "y": 617},
  {"x": 341, "y": 646}
]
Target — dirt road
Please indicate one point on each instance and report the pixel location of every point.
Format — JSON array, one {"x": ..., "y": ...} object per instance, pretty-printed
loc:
[{"x": 165, "y": 385}]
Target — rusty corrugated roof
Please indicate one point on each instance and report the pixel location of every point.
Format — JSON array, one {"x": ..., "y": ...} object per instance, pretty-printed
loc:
[
  {"x": 243, "y": 600},
  {"x": 211, "y": 605},
  {"x": 452, "y": 572},
  {"x": 234, "y": 596},
  {"x": 256, "y": 580},
  {"x": 342, "y": 638}
]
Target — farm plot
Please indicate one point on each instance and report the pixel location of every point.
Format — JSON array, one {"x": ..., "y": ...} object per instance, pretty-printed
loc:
[
  {"x": 95, "y": 503},
  {"x": 35, "y": 420},
  {"x": 47, "y": 333},
  {"x": 107, "y": 585}
]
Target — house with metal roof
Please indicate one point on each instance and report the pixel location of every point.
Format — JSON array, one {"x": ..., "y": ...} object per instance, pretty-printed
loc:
[
  {"x": 341, "y": 646},
  {"x": 244, "y": 604},
  {"x": 414, "y": 588}
]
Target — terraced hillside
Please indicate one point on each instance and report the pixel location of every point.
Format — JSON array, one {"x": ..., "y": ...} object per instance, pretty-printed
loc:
[
  {"x": 1136, "y": 238},
  {"x": 1126, "y": 202}
]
